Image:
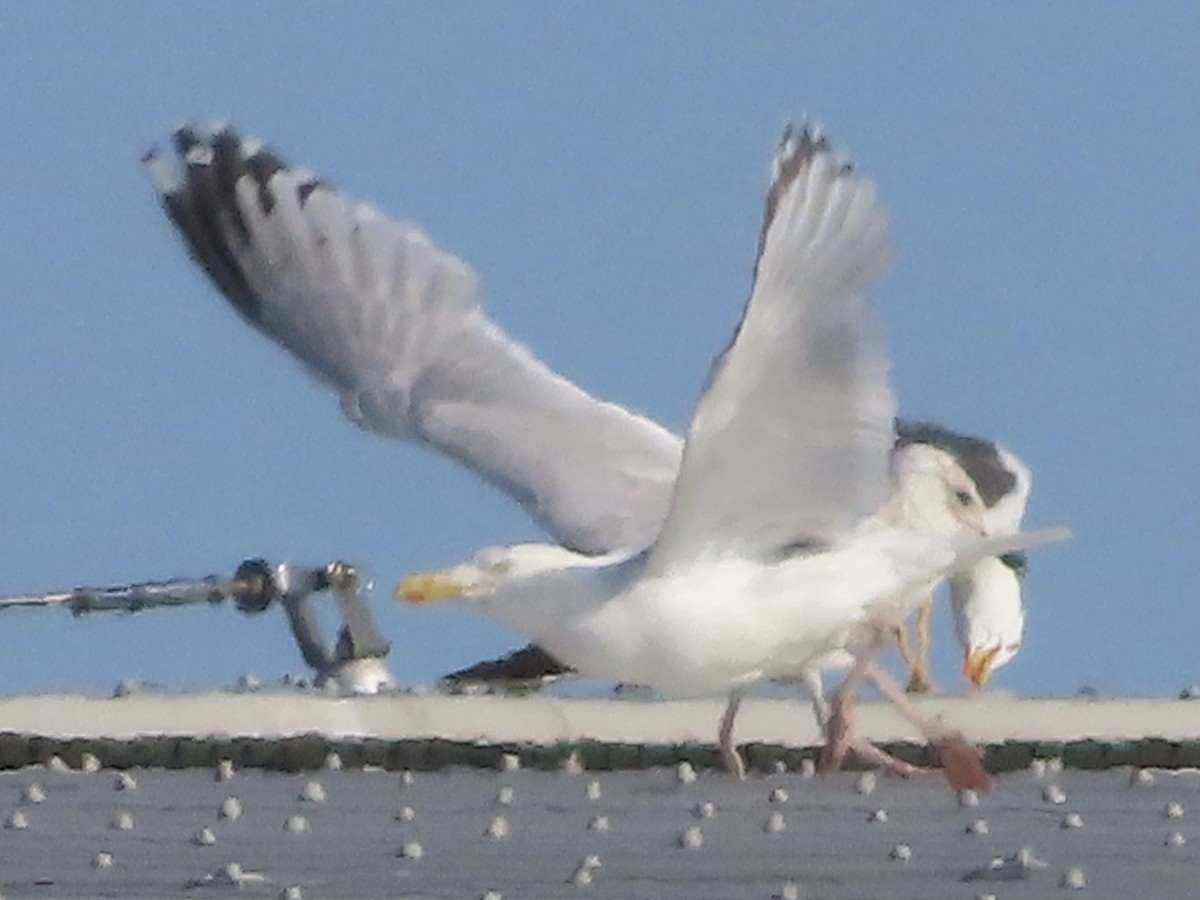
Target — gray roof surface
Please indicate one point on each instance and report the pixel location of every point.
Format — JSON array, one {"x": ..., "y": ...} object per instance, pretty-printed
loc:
[{"x": 828, "y": 848}]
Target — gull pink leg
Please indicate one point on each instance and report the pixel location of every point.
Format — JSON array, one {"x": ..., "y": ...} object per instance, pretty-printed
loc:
[
  {"x": 840, "y": 737},
  {"x": 732, "y": 759},
  {"x": 962, "y": 764},
  {"x": 869, "y": 753},
  {"x": 838, "y": 722}
]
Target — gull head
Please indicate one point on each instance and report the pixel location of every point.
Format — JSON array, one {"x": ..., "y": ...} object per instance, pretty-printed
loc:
[
  {"x": 539, "y": 589},
  {"x": 491, "y": 570},
  {"x": 933, "y": 492},
  {"x": 989, "y": 614}
]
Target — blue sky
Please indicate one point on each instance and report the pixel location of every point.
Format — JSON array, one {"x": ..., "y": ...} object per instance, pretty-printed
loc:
[{"x": 602, "y": 166}]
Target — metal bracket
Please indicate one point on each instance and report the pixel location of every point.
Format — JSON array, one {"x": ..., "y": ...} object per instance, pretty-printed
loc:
[{"x": 354, "y": 662}]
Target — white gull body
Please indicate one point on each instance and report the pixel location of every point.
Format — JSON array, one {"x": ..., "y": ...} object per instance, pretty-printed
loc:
[{"x": 781, "y": 543}]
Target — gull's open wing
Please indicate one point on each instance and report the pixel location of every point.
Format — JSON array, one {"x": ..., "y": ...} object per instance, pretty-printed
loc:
[
  {"x": 789, "y": 444},
  {"x": 396, "y": 327}
]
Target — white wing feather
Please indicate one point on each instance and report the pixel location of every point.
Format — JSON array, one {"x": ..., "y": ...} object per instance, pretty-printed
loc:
[
  {"x": 790, "y": 442},
  {"x": 396, "y": 327}
]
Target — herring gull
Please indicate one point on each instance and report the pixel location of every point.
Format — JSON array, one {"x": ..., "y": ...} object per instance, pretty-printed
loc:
[
  {"x": 794, "y": 530},
  {"x": 986, "y": 601}
]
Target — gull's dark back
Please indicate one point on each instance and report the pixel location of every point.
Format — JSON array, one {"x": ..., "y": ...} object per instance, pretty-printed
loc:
[{"x": 980, "y": 459}]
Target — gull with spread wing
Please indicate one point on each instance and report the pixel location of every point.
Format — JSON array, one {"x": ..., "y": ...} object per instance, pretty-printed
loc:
[
  {"x": 788, "y": 535},
  {"x": 986, "y": 601},
  {"x": 395, "y": 326}
]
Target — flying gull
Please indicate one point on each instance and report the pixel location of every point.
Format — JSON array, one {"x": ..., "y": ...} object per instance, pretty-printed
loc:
[{"x": 794, "y": 530}]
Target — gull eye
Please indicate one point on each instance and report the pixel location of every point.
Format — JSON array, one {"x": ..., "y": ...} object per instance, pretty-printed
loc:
[
  {"x": 493, "y": 559},
  {"x": 963, "y": 498}
]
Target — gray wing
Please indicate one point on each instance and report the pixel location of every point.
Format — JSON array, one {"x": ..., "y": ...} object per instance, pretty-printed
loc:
[
  {"x": 396, "y": 327},
  {"x": 789, "y": 444}
]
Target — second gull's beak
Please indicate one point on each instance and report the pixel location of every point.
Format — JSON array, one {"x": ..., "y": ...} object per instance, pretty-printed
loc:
[
  {"x": 978, "y": 667},
  {"x": 426, "y": 586}
]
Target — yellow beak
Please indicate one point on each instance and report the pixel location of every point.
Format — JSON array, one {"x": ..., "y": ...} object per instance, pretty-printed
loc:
[
  {"x": 978, "y": 667},
  {"x": 426, "y": 586}
]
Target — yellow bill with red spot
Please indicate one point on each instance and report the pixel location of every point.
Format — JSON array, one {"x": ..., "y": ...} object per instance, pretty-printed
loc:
[{"x": 425, "y": 587}]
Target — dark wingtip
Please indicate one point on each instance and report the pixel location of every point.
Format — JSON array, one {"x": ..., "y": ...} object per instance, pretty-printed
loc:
[
  {"x": 199, "y": 191},
  {"x": 184, "y": 138},
  {"x": 306, "y": 189},
  {"x": 529, "y": 665},
  {"x": 793, "y": 153},
  {"x": 1017, "y": 561}
]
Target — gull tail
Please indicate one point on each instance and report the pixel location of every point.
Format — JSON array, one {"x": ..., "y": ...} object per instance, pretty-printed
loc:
[{"x": 970, "y": 550}]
